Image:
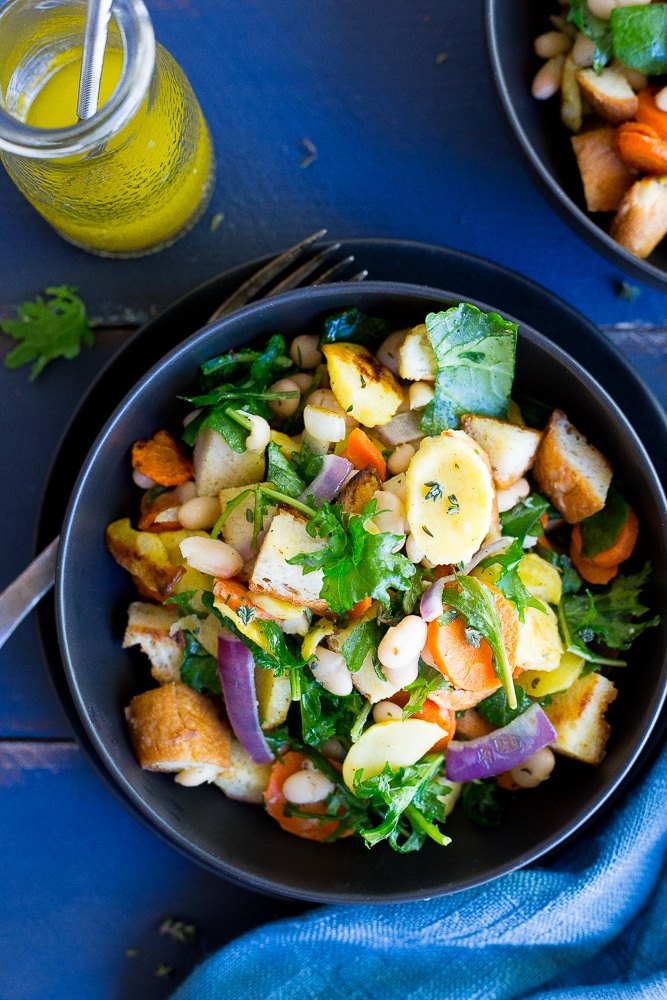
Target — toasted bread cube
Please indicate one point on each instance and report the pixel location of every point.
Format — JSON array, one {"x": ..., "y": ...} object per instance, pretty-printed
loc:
[
  {"x": 416, "y": 357},
  {"x": 573, "y": 474},
  {"x": 511, "y": 447},
  {"x": 604, "y": 176},
  {"x": 149, "y": 627},
  {"x": 218, "y": 467},
  {"x": 641, "y": 220},
  {"x": 244, "y": 779},
  {"x": 272, "y": 574},
  {"x": 174, "y": 728},
  {"x": 577, "y": 715},
  {"x": 362, "y": 386},
  {"x": 360, "y": 489},
  {"x": 608, "y": 93}
]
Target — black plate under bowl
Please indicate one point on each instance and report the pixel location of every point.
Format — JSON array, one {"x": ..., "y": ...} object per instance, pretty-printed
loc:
[
  {"x": 240, "y": 841},
  {"x": 511, "y": 27}
]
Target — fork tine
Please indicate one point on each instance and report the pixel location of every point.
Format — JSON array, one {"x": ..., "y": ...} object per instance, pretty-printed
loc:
[
  {"x": 261, "y": 278},
  {"x": 296, "y": 277},
  {"x": 333, "y": 271}
]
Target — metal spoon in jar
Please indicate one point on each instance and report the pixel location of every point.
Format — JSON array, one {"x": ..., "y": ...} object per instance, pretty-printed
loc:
[{"x": 92, "y": 59}]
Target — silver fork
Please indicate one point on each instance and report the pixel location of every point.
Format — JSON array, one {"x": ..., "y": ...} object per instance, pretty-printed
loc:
[{"x": 281, "y": 273}]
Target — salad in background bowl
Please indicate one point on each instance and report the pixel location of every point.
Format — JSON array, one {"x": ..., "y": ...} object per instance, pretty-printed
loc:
[
  {"x": 406, "y": 643},
  {"x": 582, "y": 84}
]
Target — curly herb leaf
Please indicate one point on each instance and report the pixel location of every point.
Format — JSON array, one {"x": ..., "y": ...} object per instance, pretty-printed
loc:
[
  {"x": 613, "y": 616},
  {"x": 48, "y": 330}
]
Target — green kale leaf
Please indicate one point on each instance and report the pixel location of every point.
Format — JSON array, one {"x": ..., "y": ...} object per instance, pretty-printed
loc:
[
  {"x": 199, "y": 669},
  {"x": 600, "y": 531},
  {"x": 640, "y": 37},
  {"x": 480, "y": 804},
  {"x": 281, "y": 472},
  {"x": 475, "y": 355},
  {"x": 48, "y": 329},
  {"x": 351, "y": 325},
  {"x": 596, "y": 29},
  {"x": 613, "y": 616},
  {"x": 496, "y": 710}
]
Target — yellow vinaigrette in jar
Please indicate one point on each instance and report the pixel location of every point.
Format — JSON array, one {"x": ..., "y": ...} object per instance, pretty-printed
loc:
[{"x": 128, "y": 181}]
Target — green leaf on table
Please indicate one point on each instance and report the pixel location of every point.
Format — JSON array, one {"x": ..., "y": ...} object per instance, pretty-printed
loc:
[
  {"x": 48, "y": 329},
  {"x": 475, "y": 353}
]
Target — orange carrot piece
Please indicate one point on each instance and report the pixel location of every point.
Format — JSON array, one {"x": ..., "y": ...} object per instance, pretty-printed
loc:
[
  {"x": 162, "y": 459},
  {"x": 604, "y": 566},
  {"x": 235, "y": 595},
  {"x": 443, "y": 717},
  {"x": 588, "y": 568},
  {"x": 467, "y": 666},
  {"x": 274, "y": 801},
  {"x": 149, "y": 511},
  {"x": 361, "y": 451},
  {"x": 360, "y": 608},
  {"x": 641, "y": 150},
  {"x": 648, "y": 112}
]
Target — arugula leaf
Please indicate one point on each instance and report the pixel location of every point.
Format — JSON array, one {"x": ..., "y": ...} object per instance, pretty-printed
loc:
[
  {"x": 595, "y": 28},
  {"x": 640, "y": 37},
  {"x": 281, "y": 472},
  {"x": 600, "y": 531},
  {"x": 199, "y": 669},
  {"x": 479, "y": 802},
  {"x": 306, "y": 463},
  {"x": 476, "y": 603},
  {"x": 613, "y": 616},
  {"x": 48, "y": 330},
  {"x": 184, "y": 605},
  {"x": 355, "y": 563},
  {"x": 509, "y": 582},
  {"x": 352, "y": 325},
  {"x": 363, "y": 639},
  {"x": 475, "y": 357},
  {"x": 409, "y": 808},
  {"x": 324, "y": 715},
  {"x": 520, "y": 521},
  {"x": 496, "y": 710},
  {"x": 427, "y": 680}
]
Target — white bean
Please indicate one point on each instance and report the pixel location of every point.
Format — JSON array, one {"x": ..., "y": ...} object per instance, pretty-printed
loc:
[
  {"x": 186, "y": 491},
  {"x": 260, "y": 435},
  {"x": 400, "y": 642},
  {"x": 142, "y": 481},
  {"x": 510, "y": 496},
  {"x": 603, "y": 8},
  {"x": 285, "y": 407},
  {"x": 199, "y": 513},
  {"x": 390, "y": 515},
  {"x": 420, "y": 394},
  {"x": 189, "y": 417},
  {"x": 400, "y": 458},
  {"x": 551, "y": 43},
  {"x": 661, "y": 99},
  {"x": 412, "y": 550},
  {"x": 211, "y": 556},
  {"x": 535, "y": 769},
  {"x": 547, "y": 79},
  {"x": 192, "y": 776},
  {"x": 583, "y": 50},
  {"x": 304, "y": 380},
  {"x": 401, "y": 676},
  {"x": 384, "y": 711},
  {"x": 387, "y": 353},
  {"x": 306, "y": 787},
  {"x": 396, "y": 485},
  {"x": 304, "y": 351},
  {"x": 325, "y": 425},
  {"x": 330, "y": 670}
]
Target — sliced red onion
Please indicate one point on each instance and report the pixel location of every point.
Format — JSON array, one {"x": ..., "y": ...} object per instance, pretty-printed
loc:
[
  {"x": 330, "y": 478},
  {"x": 502, "y": 749},
  {"x": 431, "y": 602},
  {"x": 400, "y": 429},
  {"x": 237, "y": 676}
]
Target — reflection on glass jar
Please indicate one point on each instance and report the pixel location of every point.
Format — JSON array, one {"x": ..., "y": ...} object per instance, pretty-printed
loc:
[{"x": 136, "y": 176}]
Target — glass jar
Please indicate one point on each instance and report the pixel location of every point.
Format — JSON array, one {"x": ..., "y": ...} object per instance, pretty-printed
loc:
[{"x": 138, "y": 174}]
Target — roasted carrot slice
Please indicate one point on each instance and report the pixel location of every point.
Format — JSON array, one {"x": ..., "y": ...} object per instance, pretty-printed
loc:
[
  {"x": 361, "y": 451},
  {"x": 649, "y": 113},
  {"x": 640, "y": 149},
  {"x": 302, "y": 826},
  {"x": 162, "y": 459}
]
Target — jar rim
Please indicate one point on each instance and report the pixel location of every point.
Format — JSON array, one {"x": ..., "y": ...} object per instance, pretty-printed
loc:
[{"x": 138, "y": 40}]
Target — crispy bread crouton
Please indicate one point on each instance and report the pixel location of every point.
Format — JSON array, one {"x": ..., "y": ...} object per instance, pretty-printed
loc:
[
  {"x": 416, "y": 357},
  {"x": 604, "y": 176},
  {"x": 244, "y": 779},
  {"x": 641, "y": 220},
  {"x": 573, "y": 474},
  {"x": 174, "y": 728},
  {"x": 577, "y": 715},
  {"x": 360, "y": 489},
  {"x": 148, "y": 626},
  {"x": 510, "y": 447},
  {"x": 608, "y": 93},
  {"x": 287, "y": 537},
  {"x": 218, "y": 467}
]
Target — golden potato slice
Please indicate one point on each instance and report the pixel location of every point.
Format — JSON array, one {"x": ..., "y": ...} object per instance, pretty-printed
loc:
[
  {"x": 399, "y": 743},
  {"x": 362, "y": 386}
]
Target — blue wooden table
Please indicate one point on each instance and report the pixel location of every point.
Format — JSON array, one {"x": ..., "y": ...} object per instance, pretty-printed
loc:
[{"x": 374, "y": 120}]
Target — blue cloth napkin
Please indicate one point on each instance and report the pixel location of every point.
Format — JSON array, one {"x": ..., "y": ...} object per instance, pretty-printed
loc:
[{"x": 592, "y": 925}]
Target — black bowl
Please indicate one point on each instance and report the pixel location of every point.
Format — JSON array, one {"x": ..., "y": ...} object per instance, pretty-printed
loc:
[
  {"x": 511, "y": 28},
  {"x": 238, "y": 841}
]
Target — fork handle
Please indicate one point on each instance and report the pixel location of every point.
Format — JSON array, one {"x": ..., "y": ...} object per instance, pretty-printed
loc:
[{"x": 26, "y": 590}]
